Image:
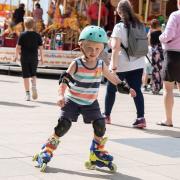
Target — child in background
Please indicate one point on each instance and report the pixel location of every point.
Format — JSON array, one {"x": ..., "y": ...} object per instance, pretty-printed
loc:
[
  {"x": 83, "y": 78},
  {"x": 28, "y": 44}
]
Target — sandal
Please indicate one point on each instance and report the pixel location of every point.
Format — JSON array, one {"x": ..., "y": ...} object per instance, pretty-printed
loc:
[{"x": 164, "y": 124}]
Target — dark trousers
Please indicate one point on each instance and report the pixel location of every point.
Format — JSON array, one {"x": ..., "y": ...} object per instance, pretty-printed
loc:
[{"x": 134, "y": 79}]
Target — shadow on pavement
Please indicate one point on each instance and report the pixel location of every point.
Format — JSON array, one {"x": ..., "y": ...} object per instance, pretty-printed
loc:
[
  {"x": 123, "y": 126},
  {"x": 109, "y": 175},
  {"x": 163, "y": 132},
  {"x": 47, "y": 103},
  {"x": 164, "y": 146},
  {"x": 9, "y": 81},
  {"x": 160, "y": 94},
  {"x": 2, "y": 103}
]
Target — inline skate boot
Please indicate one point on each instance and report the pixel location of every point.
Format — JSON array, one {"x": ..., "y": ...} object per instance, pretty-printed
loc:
[
  {"x": 46, "y": 153},
  {"x": 99, "y": 157}
]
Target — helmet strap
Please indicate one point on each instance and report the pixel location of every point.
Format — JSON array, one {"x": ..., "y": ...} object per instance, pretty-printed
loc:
[{"x": 82, "y": 50}]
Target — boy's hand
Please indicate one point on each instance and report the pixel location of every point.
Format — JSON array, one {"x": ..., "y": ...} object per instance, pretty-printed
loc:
[
  {"x": 61, "y": 101},
  {"x": 132, "y": 92}
]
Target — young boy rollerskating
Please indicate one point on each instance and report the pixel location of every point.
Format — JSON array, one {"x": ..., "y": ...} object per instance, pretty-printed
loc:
[
  {"x": 28, "y": 44},
  {"x": 83, "y": 78}
]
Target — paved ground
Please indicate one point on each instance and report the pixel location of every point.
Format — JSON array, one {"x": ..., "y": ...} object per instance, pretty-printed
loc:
[{"x": 148, "y": 154}]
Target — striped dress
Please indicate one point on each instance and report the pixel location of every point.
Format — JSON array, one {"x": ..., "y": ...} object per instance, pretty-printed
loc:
[{"x": 87, "y": 81}]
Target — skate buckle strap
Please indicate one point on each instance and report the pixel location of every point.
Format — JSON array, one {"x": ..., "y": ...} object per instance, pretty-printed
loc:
[
  {"x": 53, "y": 142},
  {"x": 51, "y": 146},
  {"x": 101, "y": 145},
  {"x": 103, "y": 141},
  {"x": 48, "y": 151}
]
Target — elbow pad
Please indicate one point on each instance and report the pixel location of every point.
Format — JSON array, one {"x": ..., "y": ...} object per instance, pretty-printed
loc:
[
  {"x": 123, "y": 88},
  {"x": 66, "y": 78}
]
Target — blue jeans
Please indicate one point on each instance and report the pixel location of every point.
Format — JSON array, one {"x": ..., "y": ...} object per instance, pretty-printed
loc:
[{"x": 134, "y": 79}]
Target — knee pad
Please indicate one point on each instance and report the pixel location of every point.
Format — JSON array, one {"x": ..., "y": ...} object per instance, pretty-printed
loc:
[
  {"x": 99, "y": 127},
  {"x": 62, "y": 127}
]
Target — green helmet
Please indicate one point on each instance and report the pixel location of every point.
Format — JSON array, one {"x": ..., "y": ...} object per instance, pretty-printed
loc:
[{"x": 94, "y": 33}]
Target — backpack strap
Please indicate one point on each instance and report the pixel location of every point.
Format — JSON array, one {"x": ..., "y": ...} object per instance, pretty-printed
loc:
[
  {"x": 126, "y": 48},
  {"x": 149, "y": 59}
]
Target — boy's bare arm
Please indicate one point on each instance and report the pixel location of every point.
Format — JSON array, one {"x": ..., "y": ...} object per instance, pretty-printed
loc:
[
  {"x": 122, "y": 87},
  {"x": 17, "y": 52},
  {"x": 41, "y": 54},
  {"x": 112, "y": 77}
]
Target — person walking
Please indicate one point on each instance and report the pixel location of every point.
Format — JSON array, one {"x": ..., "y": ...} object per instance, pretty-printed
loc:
[
  {"x": 93, "y": 12},
  {"x": 83, "y": 78},
  {"x": 18, "y": 15},
  {"x": 170, "y": 40},
  {"x": 27, "y": 47},
  {"x": 126, "y": 68},
  {"x": 157, "y": 55},
  {"x": 38, "y": 13}
]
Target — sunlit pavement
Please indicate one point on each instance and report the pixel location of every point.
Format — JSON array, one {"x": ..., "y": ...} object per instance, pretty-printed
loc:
[{"x": 150, "y": 154}]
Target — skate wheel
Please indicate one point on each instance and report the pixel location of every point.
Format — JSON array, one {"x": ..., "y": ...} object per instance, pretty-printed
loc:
[
  {"x": 89, "y": 165},
  {"x": 43, "y": 167},
  {"x": 113, "y": 168},
  {"x": 35, "y": 157}
]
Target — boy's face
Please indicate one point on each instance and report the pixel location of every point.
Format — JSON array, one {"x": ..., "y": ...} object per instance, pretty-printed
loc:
[{"x": 92, "y": 49}]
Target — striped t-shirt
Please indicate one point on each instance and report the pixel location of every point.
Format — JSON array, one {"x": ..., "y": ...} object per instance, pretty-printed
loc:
[{"x": 87, "y": 81}]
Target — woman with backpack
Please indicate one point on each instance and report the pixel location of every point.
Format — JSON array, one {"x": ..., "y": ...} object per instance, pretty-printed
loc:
[{"x": 127, "y": 68}]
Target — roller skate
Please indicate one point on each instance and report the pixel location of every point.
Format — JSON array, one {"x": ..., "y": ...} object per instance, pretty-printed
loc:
[
  {"x": 99, "y": 157},
  {"x": 46, "y": 153}
]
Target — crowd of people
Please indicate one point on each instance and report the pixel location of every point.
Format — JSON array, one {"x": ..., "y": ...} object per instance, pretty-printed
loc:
[{"x": 124, "y": 74}]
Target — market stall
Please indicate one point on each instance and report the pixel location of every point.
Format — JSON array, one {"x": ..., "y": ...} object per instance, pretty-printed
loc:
[
  {"x": 60, "y": 37},
  {"x": 150, "y": 9},
  {"x": 63, "y": 32}
]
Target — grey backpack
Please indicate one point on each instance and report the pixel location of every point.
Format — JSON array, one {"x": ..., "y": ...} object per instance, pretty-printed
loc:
[{"x": 137, "y": 41}]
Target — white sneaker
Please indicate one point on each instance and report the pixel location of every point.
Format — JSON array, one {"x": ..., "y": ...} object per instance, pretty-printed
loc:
[
  {"x": 34, "y": 93},
  {"x": 28, "y": 98}
]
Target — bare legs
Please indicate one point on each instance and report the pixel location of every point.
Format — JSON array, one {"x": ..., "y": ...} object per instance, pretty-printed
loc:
[
  {"x": 27, "y": 83},
  {"x": 168, "y": 100},
  {"x": 27, "y": 87}
]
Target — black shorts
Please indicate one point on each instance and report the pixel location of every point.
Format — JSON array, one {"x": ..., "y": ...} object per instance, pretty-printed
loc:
[
  {"x": 72, "y": 110},
  {"x": 29, "y": 68},
  {"x": 171, "y": 66}
]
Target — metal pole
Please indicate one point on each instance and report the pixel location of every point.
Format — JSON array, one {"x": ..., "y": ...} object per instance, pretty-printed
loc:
[
  {"x": 64, "y": 7},
  {"x": 140, "y": 7},
  {"x": 146, "y": 12},
  {"x": 99, "y": 13},
  {"x": 81, "y": 4},
  {"x": 10, "y": 5},
  {"x": 27, "y": 7}
]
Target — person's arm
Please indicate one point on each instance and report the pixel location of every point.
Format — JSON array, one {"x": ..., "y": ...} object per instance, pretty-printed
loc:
[
  {"x": 40, "y": 43},
  {"x": 170, "y": 30},
  {"x": 115, "y": 45},
  {"x": 41, "y": 54},
  {"x": 17, "y": 52},
  {"x": 110, "y": 76},
  {"x": 63, "y": 86},
  {"x": 18, "y": 47},
  {"x": 149, "y": 37}
]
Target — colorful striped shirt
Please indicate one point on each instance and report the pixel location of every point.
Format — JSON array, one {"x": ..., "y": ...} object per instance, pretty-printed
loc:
[{"x": 87, "y": 81}]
